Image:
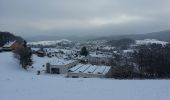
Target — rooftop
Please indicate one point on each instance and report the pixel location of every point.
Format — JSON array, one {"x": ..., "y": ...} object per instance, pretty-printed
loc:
[
  {"x": 60, "y": 61},
  {"x": 90, "y": 69},
  {"x": 9, "y": 44}
]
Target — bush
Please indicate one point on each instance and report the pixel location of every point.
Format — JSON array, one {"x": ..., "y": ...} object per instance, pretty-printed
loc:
[
  {"x": 123, "y": 72},
  {"x": 84, "y": 51}
]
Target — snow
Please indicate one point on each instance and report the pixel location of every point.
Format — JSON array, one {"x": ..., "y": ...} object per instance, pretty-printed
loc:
[
  {"x": 150, "y": 41},
  {"x": 18, "y": 84},
  {"x": 128, "y": 51},
  {"x": 46, "y": 43},
  {"x": 100, "y": 70},
  {"x": 35, "y": 49},
  {"x": 94, "y": 54},
  {"x": 106, "y": 70},
  {"x": 9, "y": 44},
  {"x": 57, "y": 50},
  {"x": 108, "y": 48},
  {"x": 82, "y": 68},
  {"x": 75, "y": 68},
  {"x": 60, "y": 62},
  {"x": 90, "y": 69}
]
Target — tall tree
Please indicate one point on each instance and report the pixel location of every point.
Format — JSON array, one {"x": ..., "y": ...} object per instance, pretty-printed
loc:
[
  {"x": 84, "y": 51},
  {"x": 24, "y": 56}
]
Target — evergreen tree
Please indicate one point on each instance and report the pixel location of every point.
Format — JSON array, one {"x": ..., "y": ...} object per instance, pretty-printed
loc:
[
  {"x": 84, "y": 51},
  {"x": 24, "y": 55}
]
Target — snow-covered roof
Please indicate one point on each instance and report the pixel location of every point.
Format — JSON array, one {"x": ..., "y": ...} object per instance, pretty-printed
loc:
[
  {"x": 99, "y": 55},
  {"x": 90, "y": 69},
  {"x": 57, "y": 50},
  {"x": 60, "y": 61},
  {"x": 108, "y": 48},
  {"x": 129, "y": 50},
  {"x": 9, "y": 44},
  {"x": 36, "y": 49}
]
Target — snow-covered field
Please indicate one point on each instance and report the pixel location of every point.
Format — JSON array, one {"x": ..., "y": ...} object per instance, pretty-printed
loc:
[{"x": 18, "y": 84}]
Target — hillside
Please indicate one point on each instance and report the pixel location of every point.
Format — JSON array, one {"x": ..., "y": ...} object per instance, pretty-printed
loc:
[
  {"x": 74, "y": 38},
  {"x": 18, "y": 84},
  {"x": 46, "y": 43},
  {"x": 7, "y": 36},
  {"x": 162, "y": 35}
]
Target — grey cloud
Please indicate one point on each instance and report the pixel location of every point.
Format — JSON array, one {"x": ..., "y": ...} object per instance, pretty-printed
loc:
[{"x": 83, "y": 17}]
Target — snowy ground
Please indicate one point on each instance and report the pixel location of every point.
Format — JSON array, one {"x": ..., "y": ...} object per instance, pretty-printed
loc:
[
  {"x": 150, "y": 41},
  {"x": 18, "y": 84}
]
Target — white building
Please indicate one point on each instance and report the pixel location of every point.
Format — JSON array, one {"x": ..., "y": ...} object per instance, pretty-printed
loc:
[
  {"x": 60, "y": 66},
  {"x": 89, "y": 71}
]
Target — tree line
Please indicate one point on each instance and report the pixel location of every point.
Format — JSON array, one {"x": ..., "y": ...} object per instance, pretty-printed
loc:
[
  {"x": 122, "y": 43},
  {"x": 146, "y": 62},
  {"x": 153, "y": 60}
]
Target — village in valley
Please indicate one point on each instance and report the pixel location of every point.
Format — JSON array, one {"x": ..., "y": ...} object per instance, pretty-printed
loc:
[
  {"x": 89, "y": 59},
  {"x": 69, "y": 70},
  {"x": 84, "y": 49}
]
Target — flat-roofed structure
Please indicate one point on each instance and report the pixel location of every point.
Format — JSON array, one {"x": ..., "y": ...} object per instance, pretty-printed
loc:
[
  {"x": 60, "y": 66},
  {"x": 89, "y": 71}
]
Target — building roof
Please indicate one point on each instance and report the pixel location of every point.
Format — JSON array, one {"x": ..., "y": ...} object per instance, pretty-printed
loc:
[
  {"x": 9, "y": 44},
  {"x": 90, "y": 69},
  {"x": 128, "y": 51},
  {"x": 60, "y": 62}
]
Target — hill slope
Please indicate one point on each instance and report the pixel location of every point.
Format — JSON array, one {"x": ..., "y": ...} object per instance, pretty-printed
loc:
[
  {"x": 18, "y": 84},
  {"x": 7, "y": 36},
  {"x": 162, "y": 35}
]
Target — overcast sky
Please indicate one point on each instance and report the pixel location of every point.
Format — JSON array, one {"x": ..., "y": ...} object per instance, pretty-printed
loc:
[{"x": 83, "y": 17}]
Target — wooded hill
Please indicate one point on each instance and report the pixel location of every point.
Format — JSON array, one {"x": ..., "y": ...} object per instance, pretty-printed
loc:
[
  {"x": 162, "y": 35},
  {"x": 7, "y": 36}
]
